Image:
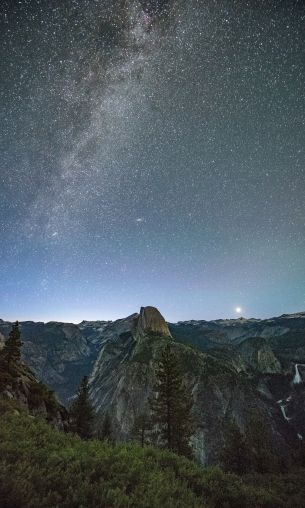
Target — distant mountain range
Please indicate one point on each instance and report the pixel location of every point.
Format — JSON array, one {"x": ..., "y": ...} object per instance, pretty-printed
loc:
[{"x": 231, "y": 366}]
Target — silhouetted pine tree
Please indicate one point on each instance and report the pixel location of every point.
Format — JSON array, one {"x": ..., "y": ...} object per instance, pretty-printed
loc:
[
  {"x": 106, "y": 429},
  {"x": 142, "y": 429},
  {"x": 299, "y": 454},
  {"x": 12, "y": 346},
  {"x": 259, "y": 442},
  {"x": 81, "y": 413},
  {"x": 171, "y": 405},
  {"x": 235, "y": 455}
]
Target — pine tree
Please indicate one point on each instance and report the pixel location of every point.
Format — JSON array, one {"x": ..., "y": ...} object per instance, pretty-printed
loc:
[
  {"x": 12, "y": 346},
  {"x": 235, "y": 455},
  {"x": 299, "y": 454},
  {"x": 259, "y": 442},
  {"x": 106, "y": 429},
  {"x": 171, "y": 405},
  {"x": 81, "y": 413},
  {"x": 142, "y": 429}
]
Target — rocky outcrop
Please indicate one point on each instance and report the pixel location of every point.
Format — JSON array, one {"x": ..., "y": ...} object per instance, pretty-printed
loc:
[
  {"x": 123, "y": 373},
  {"x": 259, "y": 355},
  {"x": 150, "y": 320},
  {"x": 19, "y": 385}
]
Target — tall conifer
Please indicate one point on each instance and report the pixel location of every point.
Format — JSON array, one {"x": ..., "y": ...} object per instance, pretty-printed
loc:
[
  {"x": 259, "y": 441},
  {"x": 106, "y": 428},
  {"x": 12, "y": 346},
  {"x": 81, "y": 413},
  {"x": 171, "y": 405},
  {"x": 235, "y": 455},
  {"x": 142, "y": 429}
]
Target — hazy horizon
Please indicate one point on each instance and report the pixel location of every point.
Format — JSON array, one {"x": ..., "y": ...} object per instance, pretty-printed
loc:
[{"x": 234, "y": 316}]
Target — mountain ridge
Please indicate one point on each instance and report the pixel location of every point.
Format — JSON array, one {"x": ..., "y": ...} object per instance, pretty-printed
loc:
[{"x": 228, "y": 366}]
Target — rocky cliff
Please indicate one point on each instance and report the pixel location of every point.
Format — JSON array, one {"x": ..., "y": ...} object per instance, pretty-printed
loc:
[
  {"x": 59, "y": 353},
  {"x": 150, "y": 320},
  {"x": 227, "y": 379},
  {"x": 19, "y": 385},
  {"x": 257, "y": 353}
]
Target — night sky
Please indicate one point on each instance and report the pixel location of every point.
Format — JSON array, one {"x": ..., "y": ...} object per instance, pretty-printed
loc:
[{"x": 152, "y": 153}]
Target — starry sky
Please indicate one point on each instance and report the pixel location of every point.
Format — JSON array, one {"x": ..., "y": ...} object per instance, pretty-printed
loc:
[{"x": 152, "y": 153}]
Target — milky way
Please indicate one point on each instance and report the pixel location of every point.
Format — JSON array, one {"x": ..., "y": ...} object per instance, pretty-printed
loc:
[{"x": 152, "y": 153}]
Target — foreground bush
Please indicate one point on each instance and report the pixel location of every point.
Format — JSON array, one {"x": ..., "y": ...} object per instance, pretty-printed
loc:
[{"x": 43, "y": 467}]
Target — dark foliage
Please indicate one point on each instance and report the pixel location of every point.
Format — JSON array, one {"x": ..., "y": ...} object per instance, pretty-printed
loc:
[
  {"x": 12, "y": 347},
  {"x": 81, "y": 412},
  {"x": 258, "y": 438},
  {"x": 142, "y": 429},
  {"x": 41, "y": 467},
  {"x": 171, "y": 405},
  {"x": 106, "y": 432},
  {"x": 235, "y": 455}
]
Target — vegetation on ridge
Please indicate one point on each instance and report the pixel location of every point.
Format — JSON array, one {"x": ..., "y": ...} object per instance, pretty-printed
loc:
[
  {"x": 18, "y": 382},
  {"x": 43, "y": 467}
]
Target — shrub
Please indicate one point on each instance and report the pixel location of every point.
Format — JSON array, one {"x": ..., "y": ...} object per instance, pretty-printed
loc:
[{"x": 43, "y": 467}]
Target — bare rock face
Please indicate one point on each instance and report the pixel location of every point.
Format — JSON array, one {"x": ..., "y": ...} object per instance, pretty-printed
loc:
[
  {"x": 150, "y": 320},
  {"x": 124, "y": 376},
  {"x": 257, "y": 352},
  {"x": 59, "y": 354}
]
